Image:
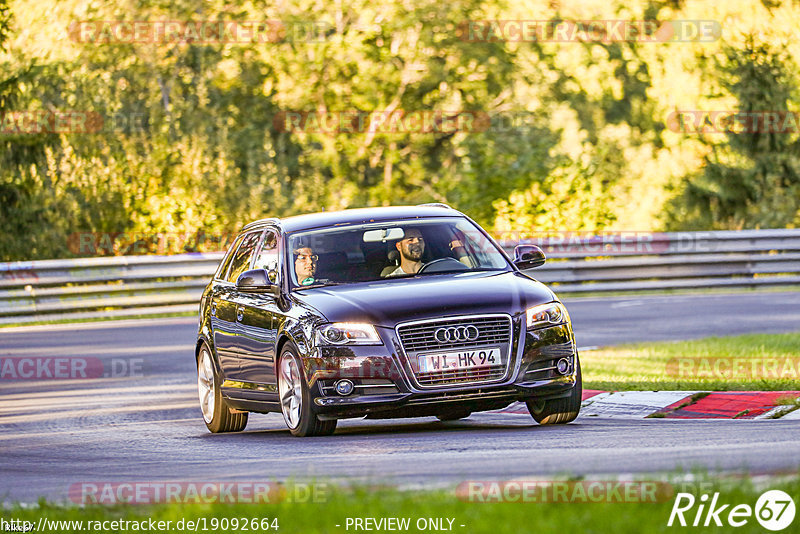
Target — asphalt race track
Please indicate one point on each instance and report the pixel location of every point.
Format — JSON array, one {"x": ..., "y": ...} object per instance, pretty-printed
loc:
[{"x": 144, "y": 425}]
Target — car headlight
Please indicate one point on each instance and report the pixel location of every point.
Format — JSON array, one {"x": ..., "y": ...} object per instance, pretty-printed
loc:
[
  {"x": 546, "y": 314},
  {"x": 348, "y": 334}
]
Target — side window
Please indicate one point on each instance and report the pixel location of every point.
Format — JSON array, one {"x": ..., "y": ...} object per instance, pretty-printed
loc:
[
  {"x": 226, "y": 261},
  {"x": 268, "y": 257},
  {"x": 242, "y": 256}
]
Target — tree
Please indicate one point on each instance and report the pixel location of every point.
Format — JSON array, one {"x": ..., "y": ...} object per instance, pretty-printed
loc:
[{"x": 752, "y": 180}]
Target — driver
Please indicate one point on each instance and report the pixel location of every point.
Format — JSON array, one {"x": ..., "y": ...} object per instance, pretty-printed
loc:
[
  {"x": 411, "y": 248},
  {"x": 305, "y": 265}
]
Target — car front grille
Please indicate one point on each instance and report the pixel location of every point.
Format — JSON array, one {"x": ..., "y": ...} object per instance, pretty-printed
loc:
[
  {"x": 461, "y": 376},
  {"x": 493, "y": 331}
]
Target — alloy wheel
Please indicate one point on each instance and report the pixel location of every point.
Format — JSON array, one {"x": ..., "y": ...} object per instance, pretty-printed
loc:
[
  {"x": 206, "y": 385},
  {"x": 291, "y": 391}
]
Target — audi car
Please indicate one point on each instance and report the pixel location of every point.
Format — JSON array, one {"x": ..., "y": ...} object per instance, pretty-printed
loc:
[{"x": 388, "y": 312}]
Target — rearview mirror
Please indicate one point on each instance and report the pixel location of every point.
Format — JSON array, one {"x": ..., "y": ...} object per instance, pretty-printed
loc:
[
  {"x": 257, "y": 281},
  {"x": 383, "y": 235},
  {"x": 528, "y": 257}
]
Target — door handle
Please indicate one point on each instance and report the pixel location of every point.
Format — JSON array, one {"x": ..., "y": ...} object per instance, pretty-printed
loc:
[
  {"x": 214, "y": 308},
  {"x": 239, "y": 313}
]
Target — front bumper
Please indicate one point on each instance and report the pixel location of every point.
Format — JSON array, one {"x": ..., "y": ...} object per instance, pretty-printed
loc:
[{"x": 385, "y": 383}]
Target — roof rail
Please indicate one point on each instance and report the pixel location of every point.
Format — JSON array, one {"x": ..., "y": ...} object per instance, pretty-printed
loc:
[
  {"x": 261, "y": 222},
  {"x": 436, "y": 205}
]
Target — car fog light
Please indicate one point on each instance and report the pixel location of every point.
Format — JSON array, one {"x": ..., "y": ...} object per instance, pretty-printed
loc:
[
  {"x": 344, "y": 387},
  {"x": 562, "y": 366}
]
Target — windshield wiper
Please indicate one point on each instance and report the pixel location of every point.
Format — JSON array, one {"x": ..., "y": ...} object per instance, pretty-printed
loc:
[
  {"x": 320, "y": 284},
  {"x": 451, "y": 271}
]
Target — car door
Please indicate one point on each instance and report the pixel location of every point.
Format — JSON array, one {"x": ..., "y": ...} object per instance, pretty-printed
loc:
[
  {"x": 222, "y": 316},
  {"x": 225, "y": 307},
  {"x": 259, "y": 320}
]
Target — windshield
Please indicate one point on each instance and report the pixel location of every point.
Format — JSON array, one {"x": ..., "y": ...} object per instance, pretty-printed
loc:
[{"x": 396, "y": 249}]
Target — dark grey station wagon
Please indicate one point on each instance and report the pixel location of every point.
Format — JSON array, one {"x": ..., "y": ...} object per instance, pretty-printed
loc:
[{"x": 380, "y": 313}]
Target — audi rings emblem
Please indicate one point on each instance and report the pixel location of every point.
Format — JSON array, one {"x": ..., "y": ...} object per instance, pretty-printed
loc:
[{"x": 456, "y": 333}]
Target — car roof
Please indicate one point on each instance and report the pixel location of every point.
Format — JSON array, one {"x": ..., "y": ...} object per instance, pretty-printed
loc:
[{"x": 356, "y": 216}]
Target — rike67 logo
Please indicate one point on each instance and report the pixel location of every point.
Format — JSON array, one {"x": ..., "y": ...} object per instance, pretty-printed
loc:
[{"x": 774, "y": 510}]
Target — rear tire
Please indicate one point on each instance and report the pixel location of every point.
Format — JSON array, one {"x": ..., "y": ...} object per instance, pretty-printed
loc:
[
  {"x": 217, "y": 415},
  {"x": 295, "y": 398},
  {"x": 559, "y": 411}
]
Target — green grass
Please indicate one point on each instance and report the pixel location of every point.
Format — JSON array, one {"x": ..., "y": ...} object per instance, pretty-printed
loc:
[
  {"x": 654, "y": 366},
  {"x": 494, "y": 518}
]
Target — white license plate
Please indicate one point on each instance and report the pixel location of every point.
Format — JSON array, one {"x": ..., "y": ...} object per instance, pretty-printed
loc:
[{"x": 463, "y": 359}]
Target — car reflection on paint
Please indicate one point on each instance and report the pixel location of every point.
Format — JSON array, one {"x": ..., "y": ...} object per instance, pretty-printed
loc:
[{"x": 380, "y": 313}]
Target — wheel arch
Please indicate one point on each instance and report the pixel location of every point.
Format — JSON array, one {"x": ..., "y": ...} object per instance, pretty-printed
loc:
[
  {"x": 283, "y": 338},
  {"x": 202, "y": 339},
  {"x": 303, "y": 349}
]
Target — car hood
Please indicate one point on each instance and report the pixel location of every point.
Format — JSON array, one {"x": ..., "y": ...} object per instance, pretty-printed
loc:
[{"x": 389, "y": 302}]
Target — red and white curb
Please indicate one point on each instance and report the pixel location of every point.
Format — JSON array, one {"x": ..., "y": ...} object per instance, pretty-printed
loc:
[
  {"x": 631, "y": 404},
  {"x": 683, "y": 405}
]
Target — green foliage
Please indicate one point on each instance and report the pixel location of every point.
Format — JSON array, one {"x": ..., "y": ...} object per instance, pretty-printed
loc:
[
  {"x": 190, "y": 138},
  {"x": 568, "y": 197},
  {"x": 5, "y": 22},
  {"x": 753, "y": 179}
]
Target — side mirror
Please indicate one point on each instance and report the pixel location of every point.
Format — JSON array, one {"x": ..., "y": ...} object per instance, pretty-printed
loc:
[
  {"x": 257, "y": 281},
  {"x": 528, "y": 257}
]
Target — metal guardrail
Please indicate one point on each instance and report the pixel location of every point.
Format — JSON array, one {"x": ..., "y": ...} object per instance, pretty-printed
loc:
[
  {"x": 96, "y": 287},
  {"x": 577, "y": 264},
  {"x": 635, "y": 261}
]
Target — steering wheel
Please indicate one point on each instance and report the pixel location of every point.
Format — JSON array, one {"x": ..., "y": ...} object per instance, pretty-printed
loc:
[{"x": 442, "y": 265}]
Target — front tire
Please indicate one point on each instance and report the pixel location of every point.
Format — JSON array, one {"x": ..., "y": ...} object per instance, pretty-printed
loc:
[
  {"x": 295, "y": 398},
  {"x": 559, "y": 411},
  {"x": 217, "y": 415}
]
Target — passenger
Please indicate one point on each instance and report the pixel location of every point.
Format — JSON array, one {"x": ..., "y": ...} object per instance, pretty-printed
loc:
[
  {"x": 305, "y": 265},
  {"x": 459, "y": 250}
]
